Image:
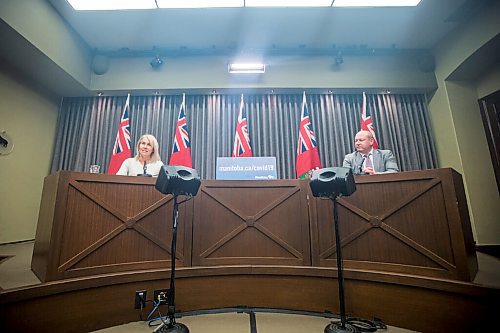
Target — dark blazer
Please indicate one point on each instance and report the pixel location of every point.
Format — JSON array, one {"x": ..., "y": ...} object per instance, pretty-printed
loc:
[{"x": 383, "y": 161}]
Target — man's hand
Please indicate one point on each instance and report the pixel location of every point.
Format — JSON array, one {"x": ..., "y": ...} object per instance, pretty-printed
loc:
[{"x": 369, "y": 171}]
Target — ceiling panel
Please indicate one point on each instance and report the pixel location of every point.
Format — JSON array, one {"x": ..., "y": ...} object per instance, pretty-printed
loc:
[{"x": 260, "y": 29}]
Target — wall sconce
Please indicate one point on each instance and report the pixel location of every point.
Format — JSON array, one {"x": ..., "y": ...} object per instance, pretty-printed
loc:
[{"x": 244, "y": 68}]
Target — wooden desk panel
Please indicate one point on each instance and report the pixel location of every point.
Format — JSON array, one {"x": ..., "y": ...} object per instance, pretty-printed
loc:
[
  {"x": 251, "y": 222},
  {"x": 410, "y": 222},
  {"x": 98, "y": 224}
]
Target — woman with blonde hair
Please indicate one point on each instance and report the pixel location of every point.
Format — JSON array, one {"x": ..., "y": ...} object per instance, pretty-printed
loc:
[{"x": 146, "y": 161}]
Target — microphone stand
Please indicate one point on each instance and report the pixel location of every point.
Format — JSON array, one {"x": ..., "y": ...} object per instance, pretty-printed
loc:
[
  {"x": 171, "y": 326},
  {"x": 334, "y": 327},
  {"x": 144, "y": 169}
]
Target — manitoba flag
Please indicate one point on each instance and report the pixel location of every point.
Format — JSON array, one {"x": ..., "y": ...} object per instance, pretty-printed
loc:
[
  {"x": 366, "y": 121},
  {"x": 307, "y": 150},
  {"x": 181, "y": 150},
  {"x": 241, "y": 139},
  {"x": 121, "y": 149}
]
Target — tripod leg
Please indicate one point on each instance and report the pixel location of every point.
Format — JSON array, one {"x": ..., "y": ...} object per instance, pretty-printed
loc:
[{"x": 175, "y": 328}]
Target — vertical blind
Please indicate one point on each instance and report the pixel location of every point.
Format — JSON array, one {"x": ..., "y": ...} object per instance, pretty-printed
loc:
[{"x": 87, "y": 128}]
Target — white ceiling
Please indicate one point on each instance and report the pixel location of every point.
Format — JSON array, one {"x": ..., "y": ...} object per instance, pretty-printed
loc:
[{"x": 264, "y": 30}]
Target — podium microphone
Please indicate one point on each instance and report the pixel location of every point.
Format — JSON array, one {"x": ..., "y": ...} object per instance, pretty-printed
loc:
[{"x": 144, "y": 169}]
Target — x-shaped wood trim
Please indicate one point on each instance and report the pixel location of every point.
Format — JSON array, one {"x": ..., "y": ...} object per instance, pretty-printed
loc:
[
  {"x": 378, "y": 222},
  {"x": 127, "y": 223},
  {"x": 252, "y": 222}
]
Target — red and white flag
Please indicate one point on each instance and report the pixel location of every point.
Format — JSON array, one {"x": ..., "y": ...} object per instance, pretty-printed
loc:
[
  {"x": 307, "y": 150},
  {"x": 241, "y": 139},
  {"x": 181, "y": 150},
  {"x": 366, "y": 121},
  {"x": 121, "y": 149}
]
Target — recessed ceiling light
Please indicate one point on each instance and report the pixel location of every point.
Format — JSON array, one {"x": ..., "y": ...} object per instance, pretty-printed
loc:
[
  {"x": 111, "y": 4},
  {"x": 200, "y": 3},
  {"x": 375, "y": 3},
  {"x": 288, "y": 3},
  {"x": 152, "y": 4}
]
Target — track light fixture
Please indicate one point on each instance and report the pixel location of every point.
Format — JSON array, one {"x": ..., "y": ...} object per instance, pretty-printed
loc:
[
  {"x": 246, "y": 68},
  {"x": 339, "y": 59},
  {"x": 156, "y": 62}
]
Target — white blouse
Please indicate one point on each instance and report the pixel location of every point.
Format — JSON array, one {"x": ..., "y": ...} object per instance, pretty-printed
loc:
[{"x": 132, "y": 167}]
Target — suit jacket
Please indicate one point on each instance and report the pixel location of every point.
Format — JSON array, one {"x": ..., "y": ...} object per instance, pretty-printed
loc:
[{"x": 383, "y": 161}]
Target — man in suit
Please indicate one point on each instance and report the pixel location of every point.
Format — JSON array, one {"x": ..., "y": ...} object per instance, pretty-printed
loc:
[{"x": 366, "y": 160}]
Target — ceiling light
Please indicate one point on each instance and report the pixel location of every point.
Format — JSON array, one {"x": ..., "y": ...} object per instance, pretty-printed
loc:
[
  {"x": 375, "y": 3},
  {"x": 200, "y": 3},
  {"x": 111, "y": 4},
  {"x": 245, "y": 68},
  {"x": 152, "y": 4},
  {"x": 288, "y": 3}
]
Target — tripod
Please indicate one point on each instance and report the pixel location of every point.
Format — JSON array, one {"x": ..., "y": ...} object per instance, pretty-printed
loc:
[
  {"x": 333, "y": 183},
  {"x": 171, "y": 326},
  {"x": 336, "y": 327}
]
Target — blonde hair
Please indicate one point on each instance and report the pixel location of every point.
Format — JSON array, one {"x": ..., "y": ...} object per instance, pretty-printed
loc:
[{"x": 155, "y": 154}]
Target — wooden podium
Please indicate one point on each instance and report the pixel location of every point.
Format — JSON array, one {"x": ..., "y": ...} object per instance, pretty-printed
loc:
[{"x": 411, "y": 223}]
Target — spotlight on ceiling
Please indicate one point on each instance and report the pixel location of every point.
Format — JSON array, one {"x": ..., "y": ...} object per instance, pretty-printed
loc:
[
  {"x": 246, "y": 68},
  {"x": 339, "y": 59},
  {"x": 156, "y": 62}
]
